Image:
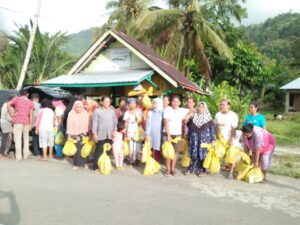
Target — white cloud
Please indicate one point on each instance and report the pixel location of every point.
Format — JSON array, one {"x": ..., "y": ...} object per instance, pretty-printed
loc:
[{"x": 75, "y": 15}]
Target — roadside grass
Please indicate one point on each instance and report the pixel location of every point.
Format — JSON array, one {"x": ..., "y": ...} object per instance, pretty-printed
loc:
[
  {"x": 287, "y": 131},
  {"x": 286, "y": 165}
]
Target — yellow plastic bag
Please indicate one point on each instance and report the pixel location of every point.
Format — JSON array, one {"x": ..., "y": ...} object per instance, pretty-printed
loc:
[
  {"x": 87, "y": 147},
  {"x": 220, "y": 150},
  {"x": 106, "y": 147},
  {"x": 93, "y": 144},
  {"x": 125, "y": 148},
  {"x": 146, "y": 152},
  {"x": 140, "y": 135},
  {"x": 215, "y": 165},
  {"x": 245, "y": 157},
  {"x": 185, "y": 146},
  {"x": 104, "y": 164},
  {"x": 168, "y": 151},
  {"x": 60, "y": 138},
  {"x": 152, "y": 167},
  {"x": 244, "y": 169},
  {"x": 231, "y": 155},
  {"x": 255, "y": 175},
  {"x": 185, "y": 160},
  {"x": 207, "y": 160},
  {"x": 146, "y": 100},
  {"x": 70, "y": 148}
]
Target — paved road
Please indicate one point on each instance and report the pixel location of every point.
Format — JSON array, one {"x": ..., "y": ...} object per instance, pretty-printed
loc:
[{"x": 44, "y": 193}]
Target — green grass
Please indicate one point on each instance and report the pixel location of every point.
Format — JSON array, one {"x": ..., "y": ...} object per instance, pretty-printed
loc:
[
  {"x": 287, "y": 131},
  {"x": 286, "y": 165}
]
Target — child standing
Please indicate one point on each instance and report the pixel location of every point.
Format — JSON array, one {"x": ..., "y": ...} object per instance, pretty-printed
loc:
[
  {"x": 118, "y": 146},
  {"x": 45, "y": 128}
]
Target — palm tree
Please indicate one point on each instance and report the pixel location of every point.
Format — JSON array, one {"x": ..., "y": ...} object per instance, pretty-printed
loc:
[
  {"x": 47, "y": 59},
  {"x": 180, "y": 32},
  {"x": 125, "y": 11}
]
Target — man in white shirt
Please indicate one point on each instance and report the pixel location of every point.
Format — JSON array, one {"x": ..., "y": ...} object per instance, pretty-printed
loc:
[
  {"x": 226, "y": 123},
  {"x": 174, "y": 125}
]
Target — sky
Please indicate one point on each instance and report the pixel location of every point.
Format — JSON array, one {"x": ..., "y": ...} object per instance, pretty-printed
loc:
[{"x": 74, "y": 15}]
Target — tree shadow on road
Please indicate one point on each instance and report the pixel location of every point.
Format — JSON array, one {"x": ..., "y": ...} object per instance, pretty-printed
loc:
[{"x": 13, "y": 216}]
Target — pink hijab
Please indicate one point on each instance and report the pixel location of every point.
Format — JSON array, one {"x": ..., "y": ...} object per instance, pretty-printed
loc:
[{"x": 77, "y": 123}]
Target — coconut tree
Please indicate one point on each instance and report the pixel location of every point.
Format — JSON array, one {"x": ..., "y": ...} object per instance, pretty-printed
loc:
[
  {"x": 181, "y": 31},
  {"x": 125, "y": 11}
]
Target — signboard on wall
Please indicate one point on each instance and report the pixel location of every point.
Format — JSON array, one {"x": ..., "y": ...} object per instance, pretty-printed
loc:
[{"x": 121, "y": 57}]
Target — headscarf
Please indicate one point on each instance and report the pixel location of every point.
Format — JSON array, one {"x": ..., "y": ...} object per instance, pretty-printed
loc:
[
  {"x": 202, "y": 120},
  {"x": 131, "y": 100},
  {"x": 77, "y": 123},
  {"x": 159, "y": 103}
]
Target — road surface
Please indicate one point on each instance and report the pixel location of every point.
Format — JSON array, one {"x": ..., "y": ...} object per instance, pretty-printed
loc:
[{"x": 51, "y": 193}]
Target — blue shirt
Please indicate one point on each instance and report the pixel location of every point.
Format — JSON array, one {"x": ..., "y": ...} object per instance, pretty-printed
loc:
[{"x": 257, "y": 120}]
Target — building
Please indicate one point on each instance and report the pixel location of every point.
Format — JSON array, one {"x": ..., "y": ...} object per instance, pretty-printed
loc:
[
  {"x": 116, "y": 64},
  {"x": 292, "y": 99}
]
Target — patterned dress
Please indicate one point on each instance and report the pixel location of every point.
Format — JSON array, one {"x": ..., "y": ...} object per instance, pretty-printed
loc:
[
  {"x": 200, "y": 131},
  {"x": 197, "y": 153}
]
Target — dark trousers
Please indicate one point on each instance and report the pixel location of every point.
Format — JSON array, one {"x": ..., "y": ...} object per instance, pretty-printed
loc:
[
  {"x": 99, "y": 151},
  {"x": 78, "y": 160},
  {"x": 35, "y": 143},
  {"x": 6, "y": 143}
]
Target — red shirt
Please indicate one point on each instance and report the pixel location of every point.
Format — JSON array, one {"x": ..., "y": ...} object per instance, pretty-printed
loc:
[{"x": 23, "y": 107}]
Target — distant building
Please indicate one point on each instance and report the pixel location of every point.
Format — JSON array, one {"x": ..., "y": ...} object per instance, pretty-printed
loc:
[
  {"x": 116, "y": 64},
  {"x": 292, "y": 99}
]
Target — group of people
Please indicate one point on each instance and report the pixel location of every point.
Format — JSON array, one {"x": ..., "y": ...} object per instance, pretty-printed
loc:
[{"x": 165, "y": 121}]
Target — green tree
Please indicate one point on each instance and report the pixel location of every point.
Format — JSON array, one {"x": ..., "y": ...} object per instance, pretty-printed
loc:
[
  {"x": 180, "y": 31},
  {"x": 125, "y": 12},
  {"x": 47, "y": 59}
]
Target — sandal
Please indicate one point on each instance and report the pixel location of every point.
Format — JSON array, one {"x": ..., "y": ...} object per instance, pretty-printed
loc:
[
  {"x": 187, "y": 173},
  {"x": 167, "y": 174},
  {"x": 174, "y": 173}
]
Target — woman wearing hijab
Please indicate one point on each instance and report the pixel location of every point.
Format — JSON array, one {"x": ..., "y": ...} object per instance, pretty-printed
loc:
[
  {"x": 201, "y": 130},
  {"x": 133, "y": 119},
  {"x": 77, "y": 128},
  {"x": 154, "y": 127}
]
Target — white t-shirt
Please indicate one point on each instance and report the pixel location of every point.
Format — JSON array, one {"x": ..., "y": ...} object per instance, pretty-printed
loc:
[
  {"x": 175, "y": 118},
  {"x": 47, "y": 119},
  {"x": 225, "y": 122}
]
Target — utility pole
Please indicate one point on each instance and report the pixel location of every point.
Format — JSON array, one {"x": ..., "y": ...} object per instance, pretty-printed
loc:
[{"x": 30, "y": 45}]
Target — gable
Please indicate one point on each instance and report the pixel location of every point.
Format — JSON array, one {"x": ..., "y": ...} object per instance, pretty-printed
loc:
[{"x": 115, "y": 57}]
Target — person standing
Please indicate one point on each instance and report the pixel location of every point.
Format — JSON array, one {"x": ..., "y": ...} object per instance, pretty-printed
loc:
[
  {"x": 7, "y": 130},
  {"x": 20, "y": 109},
  {"x": 122, "y": 109},
  {"x": 104, "y": 127},
  {"x": 226, "y": 123},
  {"x": 261, "y": 144},
  {"x": 44, "y": 127},
  {"x": 201, "y": 130},
  {"x": 166, "y": 102},
  {"x": 190, "y": 103},
  {"x": 77, "y": 129},
  {"x": 174, "y": 126},
  {"x": 133, "y": 119},
  {"x": 154, "y": 125},
  {"x": 254, "y": 117},
  {"x": 35, "y": 137},
  {"x": 59, "y": 109},
  {"x": 118, "y": 146}
]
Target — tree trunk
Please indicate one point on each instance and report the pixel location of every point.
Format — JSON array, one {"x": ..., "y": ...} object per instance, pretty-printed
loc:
[
  {"x": 30, "y": 45},
  {"x": 186, "y": 53}
]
